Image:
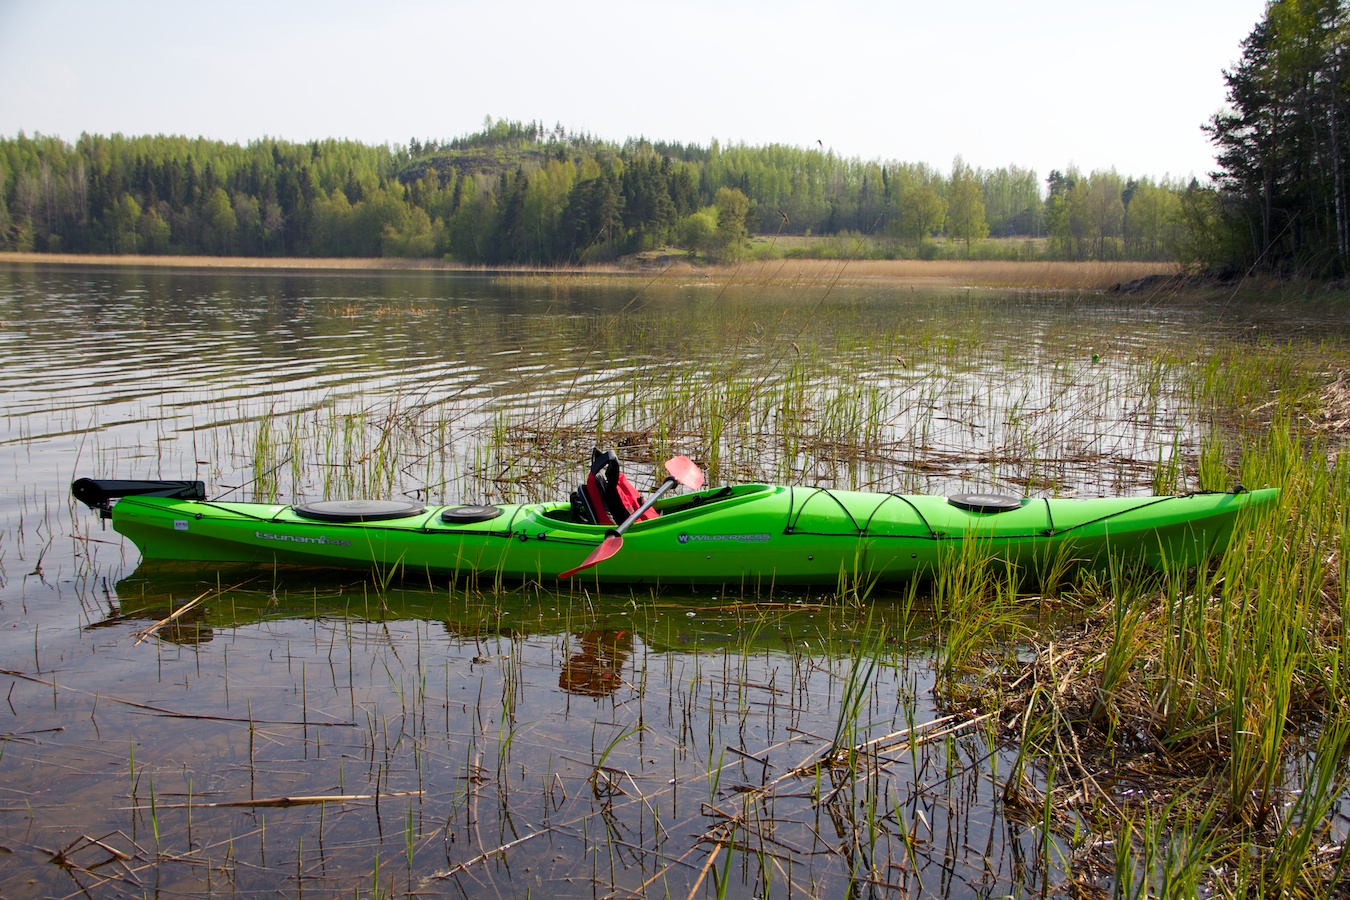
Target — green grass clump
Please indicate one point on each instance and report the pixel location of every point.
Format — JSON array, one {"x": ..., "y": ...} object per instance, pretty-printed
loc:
[{"x": 1224, "y": 686}]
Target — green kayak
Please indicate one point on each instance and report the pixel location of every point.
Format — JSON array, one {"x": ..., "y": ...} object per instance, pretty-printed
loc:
[{"x": 748, "y": 534}]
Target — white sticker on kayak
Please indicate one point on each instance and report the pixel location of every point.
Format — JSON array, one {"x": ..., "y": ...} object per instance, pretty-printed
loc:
[{"x": 180, "y": 524}]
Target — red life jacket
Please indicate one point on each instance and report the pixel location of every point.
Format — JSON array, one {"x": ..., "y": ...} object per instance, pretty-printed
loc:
[{"x": 606, "y": 497}]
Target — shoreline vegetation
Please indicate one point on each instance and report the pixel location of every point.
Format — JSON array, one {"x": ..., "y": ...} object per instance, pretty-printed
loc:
[
  {"x": 1146, "y": 279},
  {"x": 1045, "y": 274},
  {"x": 521, "y": 194},
  {"x": 676, "y": 267}
]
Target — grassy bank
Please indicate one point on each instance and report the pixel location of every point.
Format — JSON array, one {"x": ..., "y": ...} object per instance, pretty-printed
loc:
[{"x": 1188, "y": 733}]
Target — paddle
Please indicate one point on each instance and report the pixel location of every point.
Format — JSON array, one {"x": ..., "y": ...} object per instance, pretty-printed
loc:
[{"x": 683, "y": 471}]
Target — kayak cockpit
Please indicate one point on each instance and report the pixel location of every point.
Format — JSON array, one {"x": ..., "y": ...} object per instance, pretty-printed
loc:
[{"x": 707, "y": 500}]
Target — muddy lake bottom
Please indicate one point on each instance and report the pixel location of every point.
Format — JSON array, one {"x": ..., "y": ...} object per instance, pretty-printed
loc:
[{"x": 177, "y": 731}]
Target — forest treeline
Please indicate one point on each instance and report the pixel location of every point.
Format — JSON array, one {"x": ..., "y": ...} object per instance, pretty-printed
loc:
[
  {"x": 520, "y": 193},
  {"x": 1279, "y": 203}
]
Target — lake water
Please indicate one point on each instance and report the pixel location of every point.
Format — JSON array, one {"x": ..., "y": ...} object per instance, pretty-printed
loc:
[{"x": 329, "y": 734}]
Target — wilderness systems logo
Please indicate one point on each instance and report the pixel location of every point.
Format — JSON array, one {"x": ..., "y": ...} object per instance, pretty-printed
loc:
[
  {"x": 686, "y": 538},
  {"x": 296, "y": 539}
]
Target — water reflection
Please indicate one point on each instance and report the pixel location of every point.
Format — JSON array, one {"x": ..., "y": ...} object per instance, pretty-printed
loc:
[
  {"x": 595, "y": 667},
  {"x": 174, "y": 603}
]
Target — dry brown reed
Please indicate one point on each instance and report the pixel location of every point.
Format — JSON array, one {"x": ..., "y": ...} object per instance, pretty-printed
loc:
[
  {"x": 1055, "y": 275},
  {"x": 276, "y": 263},
  {"x": 1336, "y": 405},
  {"x": 1045, "y": 274}
]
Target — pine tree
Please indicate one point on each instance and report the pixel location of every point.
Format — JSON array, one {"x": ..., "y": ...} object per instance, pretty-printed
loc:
[{"x": 1282, "y": 148}]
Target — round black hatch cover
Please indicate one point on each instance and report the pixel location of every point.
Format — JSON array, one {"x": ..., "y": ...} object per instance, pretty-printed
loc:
[
  {"x": 466, "y": 515},
  {"x": 359, "y": 510},
  {"x": 990, "y": 503}
]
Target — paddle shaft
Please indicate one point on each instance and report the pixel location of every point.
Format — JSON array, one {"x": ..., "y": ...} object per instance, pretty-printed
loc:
[{"x": 666, "y": 485}]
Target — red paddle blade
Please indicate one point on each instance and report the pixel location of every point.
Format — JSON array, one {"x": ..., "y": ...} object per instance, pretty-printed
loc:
[
  {"x": 612, "y": 544},
  {"x": 685, "y": 471}
]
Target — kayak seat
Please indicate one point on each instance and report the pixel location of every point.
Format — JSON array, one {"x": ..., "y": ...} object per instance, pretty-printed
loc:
[{"x": 606, "y": 497}]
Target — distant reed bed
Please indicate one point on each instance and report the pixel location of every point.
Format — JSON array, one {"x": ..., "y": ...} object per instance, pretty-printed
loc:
[
  {"x": 1054, "y": 275},
  {"x": 1059, "y": 275}
]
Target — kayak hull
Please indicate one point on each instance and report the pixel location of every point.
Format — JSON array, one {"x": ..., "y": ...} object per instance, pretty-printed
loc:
[{"x": 749, "y": 534}]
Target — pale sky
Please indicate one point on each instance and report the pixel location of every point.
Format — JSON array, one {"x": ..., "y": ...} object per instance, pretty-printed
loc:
[{"x": 1039, "y": 83}]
